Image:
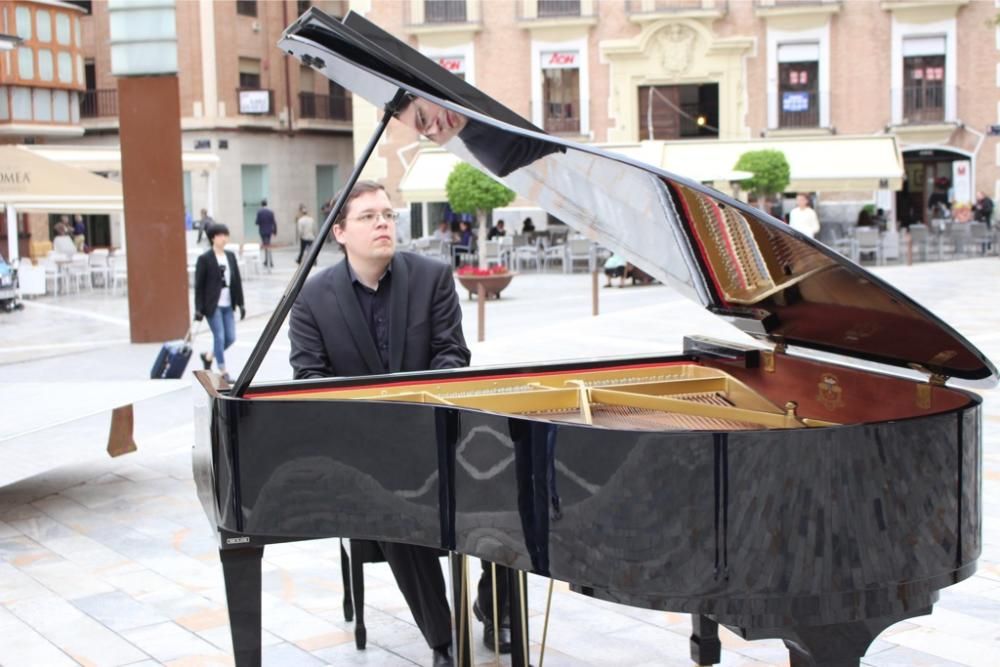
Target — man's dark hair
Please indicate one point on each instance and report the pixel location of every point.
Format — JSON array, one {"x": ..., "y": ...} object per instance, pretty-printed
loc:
[
  {"x": 215, "y": 230},
  {"x": 263, "y": 202},
  {"x": 360, "y": 188}
]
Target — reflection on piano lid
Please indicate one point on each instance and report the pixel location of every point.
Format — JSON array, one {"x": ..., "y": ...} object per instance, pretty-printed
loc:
[{"x": 741, "y": 264}]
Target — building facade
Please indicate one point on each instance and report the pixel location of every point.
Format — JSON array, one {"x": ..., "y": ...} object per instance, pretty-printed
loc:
[
  {"x": 625, "y": 71},
  {"x": 279, "y": 132}
]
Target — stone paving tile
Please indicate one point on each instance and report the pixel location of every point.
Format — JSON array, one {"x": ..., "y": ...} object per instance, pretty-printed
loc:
[
  {"x": 22, "y": 646},
  {"x": 119, "y": 611},
  {"x": 137, "y": 530},
  {"x": 169, "y": 641},
  {"x": 78, "y": 635}
]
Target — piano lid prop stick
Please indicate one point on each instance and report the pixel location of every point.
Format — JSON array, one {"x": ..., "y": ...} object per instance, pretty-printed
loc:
[
  {"x": 496, "y": 614},
  {"x": 299, "y": 278}
]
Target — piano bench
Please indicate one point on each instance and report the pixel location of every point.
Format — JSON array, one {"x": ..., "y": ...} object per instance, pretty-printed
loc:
[{"x": 352, "y": 572}]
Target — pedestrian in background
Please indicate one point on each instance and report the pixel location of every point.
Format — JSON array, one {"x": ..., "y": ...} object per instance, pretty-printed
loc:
[
  {"x": 307, "y": 231},
  {"x": 218, "y": 291},
  {"x": 267, "y": 227},
  {"x": 803, "y": 218},
  {"x": 203, "y": 223},
  {"x": 79, "y": 233},
  {"x": 983, "y": 208}
]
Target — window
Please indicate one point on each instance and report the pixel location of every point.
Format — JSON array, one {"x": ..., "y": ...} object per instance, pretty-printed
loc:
[
  {"x": 76, "y": 24},
  {"x": 22, "y": 17},
  {"x": 60, "y": 106},
  {"x": 307, "y": 79},
  {"x": 675, "y": 112},
  {"x": 560, "y": 92},
  {"x": 798, "y": 85},
  {"x": 20, "y": 98},
  {"x": 4, "y": 111},
  {"x": 339, "y": 102},
  {"x": 246, "y": 7},
  {"x": 43, "y": 104},
  {"x": 548, "y": 8},
  {"x": 25, "y": 63},
  {"x": 43, "y": 22},
  {"x": 302, "y": 6},
  {"x": 62, "y": 29},
  {"x": 89, "y": 75},
  {"x": 444, "y": 11},
  {"x": 85, "y": 5},
  {"x": 45, "y": 72},
  {"x": 249, "y": 73},
  {"x": 923, "y": 79},
  {"x": 454, "y": 64},
  {"x": 65, "y": 67}
]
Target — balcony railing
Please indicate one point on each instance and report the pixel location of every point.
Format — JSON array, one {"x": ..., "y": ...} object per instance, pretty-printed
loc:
[
  {"x": 559, "y": 125},
  {"x": 99, "y": 103},
  {"x": 445, "y": 11},
  {"x": 674, "y": 6},
  {"x": 798, "y": 109},
  {"x": 325, "y": 107},
  {"x": 924, "y": 103}
]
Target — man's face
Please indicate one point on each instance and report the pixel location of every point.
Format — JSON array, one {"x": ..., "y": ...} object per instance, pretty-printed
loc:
[
  {"x": 366, "y": 237},
  {"x": 434, "y": 122}
]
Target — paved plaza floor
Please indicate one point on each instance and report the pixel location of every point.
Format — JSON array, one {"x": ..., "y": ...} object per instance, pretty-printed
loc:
[{"x": 112, "y": 561}]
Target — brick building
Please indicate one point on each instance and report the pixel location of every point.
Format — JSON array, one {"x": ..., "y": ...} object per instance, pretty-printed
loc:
[{"x": 625, "y": 71}]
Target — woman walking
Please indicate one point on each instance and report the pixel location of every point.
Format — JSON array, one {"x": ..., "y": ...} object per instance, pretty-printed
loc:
[{"x": 218, "y": 291}]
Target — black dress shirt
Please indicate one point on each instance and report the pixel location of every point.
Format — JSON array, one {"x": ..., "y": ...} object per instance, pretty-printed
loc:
[{"x": 375, "y": 308}]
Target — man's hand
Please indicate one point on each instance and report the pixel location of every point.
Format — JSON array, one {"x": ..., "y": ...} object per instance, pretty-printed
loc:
[
  {"x": 198, "y": 317},
  {"x": 243, "y": 313}
]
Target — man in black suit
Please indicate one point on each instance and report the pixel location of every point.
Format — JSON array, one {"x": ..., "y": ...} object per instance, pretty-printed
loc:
[{"x": 380, "y": 311}]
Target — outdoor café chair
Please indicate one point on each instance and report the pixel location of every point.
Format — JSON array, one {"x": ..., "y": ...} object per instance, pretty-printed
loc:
[
  {"x": 920, "y": 240},
  {"x": 250, "y": 253},
  {"x": 552, "y": 254},
  {"x": 98, "y": 266},
  {"x": 868, "y": 243},
  {"x": 579, "y": 250},
  {"x": 979, "y": 237}
]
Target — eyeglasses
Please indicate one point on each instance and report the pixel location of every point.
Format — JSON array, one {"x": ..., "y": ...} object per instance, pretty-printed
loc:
[{"x": 369, "y": 217}]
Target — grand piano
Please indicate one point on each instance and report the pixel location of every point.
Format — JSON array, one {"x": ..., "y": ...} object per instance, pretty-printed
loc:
[{"x": 816, "y": 488}]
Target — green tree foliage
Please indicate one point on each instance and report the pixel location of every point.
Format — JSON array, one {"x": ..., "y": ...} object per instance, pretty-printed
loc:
[
  {"x": 771, "y": 174},
  {"x": 471, "y": 191}
]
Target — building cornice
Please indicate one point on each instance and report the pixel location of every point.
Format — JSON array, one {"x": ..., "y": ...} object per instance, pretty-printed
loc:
[{"x": 772, "y": 9}]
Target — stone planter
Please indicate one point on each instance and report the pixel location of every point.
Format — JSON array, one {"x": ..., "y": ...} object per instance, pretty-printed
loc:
[{"x": 493, "y": 284}]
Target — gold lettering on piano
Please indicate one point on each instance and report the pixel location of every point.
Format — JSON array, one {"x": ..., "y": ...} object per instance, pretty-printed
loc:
[{"x": 830, "y": 394}]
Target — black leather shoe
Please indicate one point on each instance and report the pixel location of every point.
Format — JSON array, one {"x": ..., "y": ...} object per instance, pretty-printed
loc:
[
  {"x": 488, "y": 636},
  {"x": 442, "y": 658}
]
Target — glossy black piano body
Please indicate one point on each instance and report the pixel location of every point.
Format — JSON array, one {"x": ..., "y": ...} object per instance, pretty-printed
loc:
[{"x": 817, "y": 500}]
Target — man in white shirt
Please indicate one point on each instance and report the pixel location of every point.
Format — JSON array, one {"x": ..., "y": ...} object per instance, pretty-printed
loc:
[{"x": 803, "y": 218}]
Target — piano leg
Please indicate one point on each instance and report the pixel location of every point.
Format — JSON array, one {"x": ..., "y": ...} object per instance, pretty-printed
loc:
[
  {"x": 705, "y": 646},
  {"x": 241, "y": 571},
  {"x": 461, "y": 645},
  {"x": 345, "y": 574},
  {"x": 358, "y": 587},
  {"x": 517, "y": 584}
]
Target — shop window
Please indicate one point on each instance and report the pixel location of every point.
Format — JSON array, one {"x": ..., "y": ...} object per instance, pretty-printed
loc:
[
  {"x": 561, "y": 93},
  {"x": 43, "y": 23},
  {"x": 60, "y": 106},
  {"x": 454, "y": 64},
  {"x": 923, "y": 88},
  {"x": 63, "y": 29}
]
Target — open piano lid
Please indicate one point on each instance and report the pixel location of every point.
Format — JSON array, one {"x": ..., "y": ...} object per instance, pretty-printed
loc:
[{"x": 741, "y": 264}]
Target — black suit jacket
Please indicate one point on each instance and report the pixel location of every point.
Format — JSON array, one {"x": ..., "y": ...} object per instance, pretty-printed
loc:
[
  {"x": 208, "y": 283},
  {"x": 329, "y": 335}
]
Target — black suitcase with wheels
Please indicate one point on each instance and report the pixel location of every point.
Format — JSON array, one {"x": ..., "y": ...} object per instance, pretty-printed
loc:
[{"x": 172, "y": 359}]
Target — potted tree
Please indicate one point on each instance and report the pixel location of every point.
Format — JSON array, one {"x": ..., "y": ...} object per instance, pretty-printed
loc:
[
  {"x": 771, "y": 174},
  {"x": 471, "y": 191}
]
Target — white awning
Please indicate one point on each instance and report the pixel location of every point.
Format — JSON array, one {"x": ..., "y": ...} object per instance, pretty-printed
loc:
[
  {"x": 425, "y": 179},
  {"x": 109, "y": 158},
  {"x": 817, "y": 164},
  {"x": 31, "y": 182}
]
